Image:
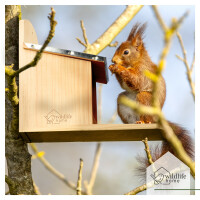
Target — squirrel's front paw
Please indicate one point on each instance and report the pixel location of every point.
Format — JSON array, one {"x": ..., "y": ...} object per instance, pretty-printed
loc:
[
  {"x": 113, "y": 68},
  {"x": 124, "y": 74}
]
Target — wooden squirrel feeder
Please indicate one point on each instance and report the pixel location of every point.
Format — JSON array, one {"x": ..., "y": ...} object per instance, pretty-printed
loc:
[{"x": 58, "y": 96}]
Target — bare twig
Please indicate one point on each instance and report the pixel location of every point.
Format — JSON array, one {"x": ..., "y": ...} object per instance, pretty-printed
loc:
[
  {"x": 161, "y": 65},
  {"x": 159, "y": 18},
  {"x": 139, "y": 108},
  {"x": 113, "y": 44},
  {"x": 142, "y": 187},
  {"x": 81, "y": 42},
  {"x": 193, "y": 62},
  {"x": 52, "y": 169},
  {"x": 86, "y": 44},
  {"x": 36, "y": 188},
  {"x": 169, "y": 33},
  {"x": 188, "y": 68},
  {"x": 84, "y": 33},
  {"x": 39, "y": 53},
  {"x": 78, "y": 188},
  {"x": 89, "y": 186},
  {"x": 113, "y": 118},
  {"x": 180, "y": 58},
  {"x": 145, "y": 141},
  {"x": 137, "y": 190},
  {"x": 182, "y": 47}
]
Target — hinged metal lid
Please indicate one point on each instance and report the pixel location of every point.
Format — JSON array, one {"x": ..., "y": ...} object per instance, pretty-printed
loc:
[{"x": 99, "y": 64}]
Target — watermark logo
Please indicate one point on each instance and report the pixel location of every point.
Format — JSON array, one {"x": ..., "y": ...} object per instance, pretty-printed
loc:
[
  {"x": 168, "y": 175},
  {"x": 163, "y": 176},
  {"x": 54, "y": 117}
]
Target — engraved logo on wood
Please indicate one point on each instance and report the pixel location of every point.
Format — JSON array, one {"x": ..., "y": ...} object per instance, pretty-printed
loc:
[{"x": 54, "y": 117}]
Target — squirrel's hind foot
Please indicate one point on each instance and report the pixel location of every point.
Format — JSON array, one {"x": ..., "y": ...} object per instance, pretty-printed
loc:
[{"x": 143, "y": 122}]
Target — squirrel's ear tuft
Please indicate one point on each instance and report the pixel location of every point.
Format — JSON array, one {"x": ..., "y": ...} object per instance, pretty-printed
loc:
[
  {"x": 137, "y": 30},
  {"x": 136, "y": 34},
  {"x": 133, "y": 31}
]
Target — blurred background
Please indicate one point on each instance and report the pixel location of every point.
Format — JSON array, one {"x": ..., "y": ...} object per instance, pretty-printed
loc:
[{"x": 117, "y": 163}]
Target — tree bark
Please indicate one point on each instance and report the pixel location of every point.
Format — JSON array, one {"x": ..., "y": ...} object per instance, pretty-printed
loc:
[{"x": 19, "y": 177}]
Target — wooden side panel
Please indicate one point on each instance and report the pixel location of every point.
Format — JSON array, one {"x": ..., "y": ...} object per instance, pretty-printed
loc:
[
  {"x": 56, "y": 93},
  {"x": 94, "y": 102}
]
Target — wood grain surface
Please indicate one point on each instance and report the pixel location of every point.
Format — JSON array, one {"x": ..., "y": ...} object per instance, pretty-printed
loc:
[{"x": 56, "y": 93}]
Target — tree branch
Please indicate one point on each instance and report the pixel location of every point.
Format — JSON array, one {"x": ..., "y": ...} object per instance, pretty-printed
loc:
[
  {"x": 84, "y": 33},
  {"x": 78, "y": 188},
  {"x": 86, "y": 44},
  {"x": 80, "y": 41},
  {"x": 47, "y": 41},
  {"x": 193, "y": 62},
  {"x": 139, "y": 108},
  {"x": 113, "y": 44},
  {"x": 108, "y": 36},
  {"x": 89, "y": 186},
  {"x": 17, "y": 155},
  {"x": 14, "y": 142},
  {"x": 145, "y": 141},
  {"x": 159, "y": 18},
  {"x": 188, "y": 68},
  {"x": 169, "y": 33},
  {"x": 11, "y": 11},
  {"x": 36, "y": 189},
  {"x": 142, "y": 187},
  {"x": 137, "y": 190}
]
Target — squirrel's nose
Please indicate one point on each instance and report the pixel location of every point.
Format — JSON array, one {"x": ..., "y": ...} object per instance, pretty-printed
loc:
[{"x": 114, "y": 59}]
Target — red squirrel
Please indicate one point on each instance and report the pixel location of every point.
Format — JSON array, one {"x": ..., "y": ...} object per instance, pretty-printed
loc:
[{"x": 130, "y": 60}]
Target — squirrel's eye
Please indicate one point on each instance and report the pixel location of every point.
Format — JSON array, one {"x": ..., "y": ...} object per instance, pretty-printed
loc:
[{"x": 126, "y": 52}]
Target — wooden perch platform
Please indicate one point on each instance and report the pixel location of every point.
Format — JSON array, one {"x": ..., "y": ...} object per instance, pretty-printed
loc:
[{"x": 97, "y": 132}]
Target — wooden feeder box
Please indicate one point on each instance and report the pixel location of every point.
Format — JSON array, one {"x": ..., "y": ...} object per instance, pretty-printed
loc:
[{"x": 58, "y": 96}]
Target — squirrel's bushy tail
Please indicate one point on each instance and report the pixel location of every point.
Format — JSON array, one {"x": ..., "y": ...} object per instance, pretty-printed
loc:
[{"x": 158, "y": 151}]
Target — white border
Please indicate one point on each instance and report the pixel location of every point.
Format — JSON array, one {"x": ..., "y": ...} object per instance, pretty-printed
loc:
[
  {"x": 101, "y": 2},
  {"x": 98, "y": 2}
]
